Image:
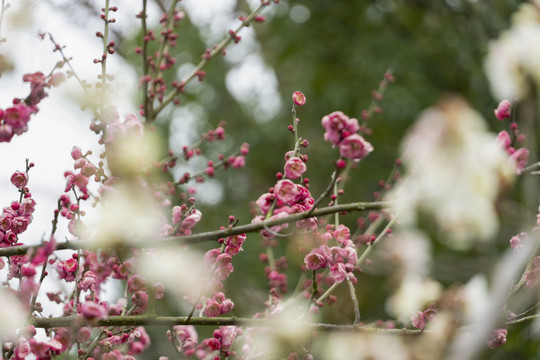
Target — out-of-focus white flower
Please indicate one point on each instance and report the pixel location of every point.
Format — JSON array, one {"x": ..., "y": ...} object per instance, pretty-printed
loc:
[
  {"x": 12, "y": 315},
  {"x": 360, "y": 346},
  {"x": 476, "y": 298},
  {"x": 414, "y": 294},
  {"x": 131, "y": 148},
  {"x": 513, "y": 60},
  {"x": 182, "y": 271},
  {"x": 288, "y": 329},
  {"x": 409, "y": 250},
  {"x": 455, "y": 173},
  {"x": 128, "y": 215}
]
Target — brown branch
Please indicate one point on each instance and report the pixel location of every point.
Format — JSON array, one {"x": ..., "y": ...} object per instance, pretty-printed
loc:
[
  {"x": 247, "y": 228},
  {"x": 214, "y": 235},
  {"x": 145, "y": 320}
]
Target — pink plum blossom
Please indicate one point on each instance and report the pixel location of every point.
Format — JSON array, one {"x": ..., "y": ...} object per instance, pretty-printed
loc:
[
  {"x": 17, "y": 117},
  {"x": 299, "y": 98},
  {"x": 90, "y": 310},
  {"x": 498, "y": 338},
  {"x": 520, "y": 158},
  {"x": 318, "y": 258},
  {"x": 338, "y": 272},
  {"x": 294, "y": 168},
  {"x": 503, "y": 110},
  {"x": 355, "y": 147},
  {"x": 285, "y": 190},
  {"x": 265, "y": 201},
  {"x": 19, "y": 179}
]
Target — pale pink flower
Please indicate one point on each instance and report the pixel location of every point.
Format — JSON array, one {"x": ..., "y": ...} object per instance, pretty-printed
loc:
[
  {"x": 76, "y": 153},
  {"x": 88, "y": 281},
  {"x": 226, "y": 306},
  {"x": 17, "y": 117},
  {"x": 136, "y": 283},
  {"x": 212, "y": 308},
  {"x": 19, "y": 179},
  {"x": 338, "y": 272},
  {"x": 187, "y": 338},
  {"x": 19, "y": 224},
  {"x": 342, "y": 234},
  {"x": 354, "y": 147},
  {"x": 294, "y": 167},
  {"x": 234, "y": 244},
  {"x": 333, "y": 125},
  {"x": 23, "y": 349},
  {"x": 90, "y": 310},
  {"x": 176, "y": 214},
  {"x": 318, "y": 258},
  {"x": 314, "y": 261},
  {"x": 285, "y": 190},
  {"x": 228, "y": 334},
  {"x": 264, "y": 202}
]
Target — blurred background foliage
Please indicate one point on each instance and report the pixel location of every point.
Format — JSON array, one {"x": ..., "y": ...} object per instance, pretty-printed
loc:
[{"x": 336, "y": 53}]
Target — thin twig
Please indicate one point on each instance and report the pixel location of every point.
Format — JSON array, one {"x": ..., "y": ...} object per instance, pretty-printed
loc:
[{"x": 354, "y": 301}]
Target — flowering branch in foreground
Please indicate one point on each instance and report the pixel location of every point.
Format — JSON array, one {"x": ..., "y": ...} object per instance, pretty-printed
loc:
[{"x": 214, "y": 235}]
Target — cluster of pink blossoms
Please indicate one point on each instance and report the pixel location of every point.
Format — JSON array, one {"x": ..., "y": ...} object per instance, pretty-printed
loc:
[
  {"x": 14, "y": 120},
  {"x": 342, "y": 132},
  {"x": 286, "y": 197},
  {"x": 340, "y": 259},
  {"x": 518, "y": 156},
  {"x": 220, "y": 267},
  {"x": 15, "y": 219},
  {"x": 186, "y": 341}
]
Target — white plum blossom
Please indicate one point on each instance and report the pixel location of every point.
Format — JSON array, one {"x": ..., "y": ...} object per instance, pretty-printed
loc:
[
  {"x": 455, "y": 171},
  {"x": 12, "y": 314},
  {"x": 513, "y": 60}
]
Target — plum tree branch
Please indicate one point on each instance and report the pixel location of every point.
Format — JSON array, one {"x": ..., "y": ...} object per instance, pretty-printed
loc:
[
  {"x": 214, "y": 235},
  {"x": 147, "y": 320}
]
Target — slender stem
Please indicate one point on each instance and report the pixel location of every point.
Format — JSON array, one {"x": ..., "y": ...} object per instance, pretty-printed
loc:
[
  {"x": 336, "y": 202},
  {"x": 530, "y": 169},
  {"x": 147, "y": 106},
  {"x": 105, "y": 41},
  {"x": 328, "y": 292},
  {"x": 270, "y": 256},
  {"x": 326, "y": 191},
  {"x": 163, "y": 45},
  {"x": 354, "y": 301},
  {"x": 314, "y": 291},
  {"x": 370, "y": 246}
]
